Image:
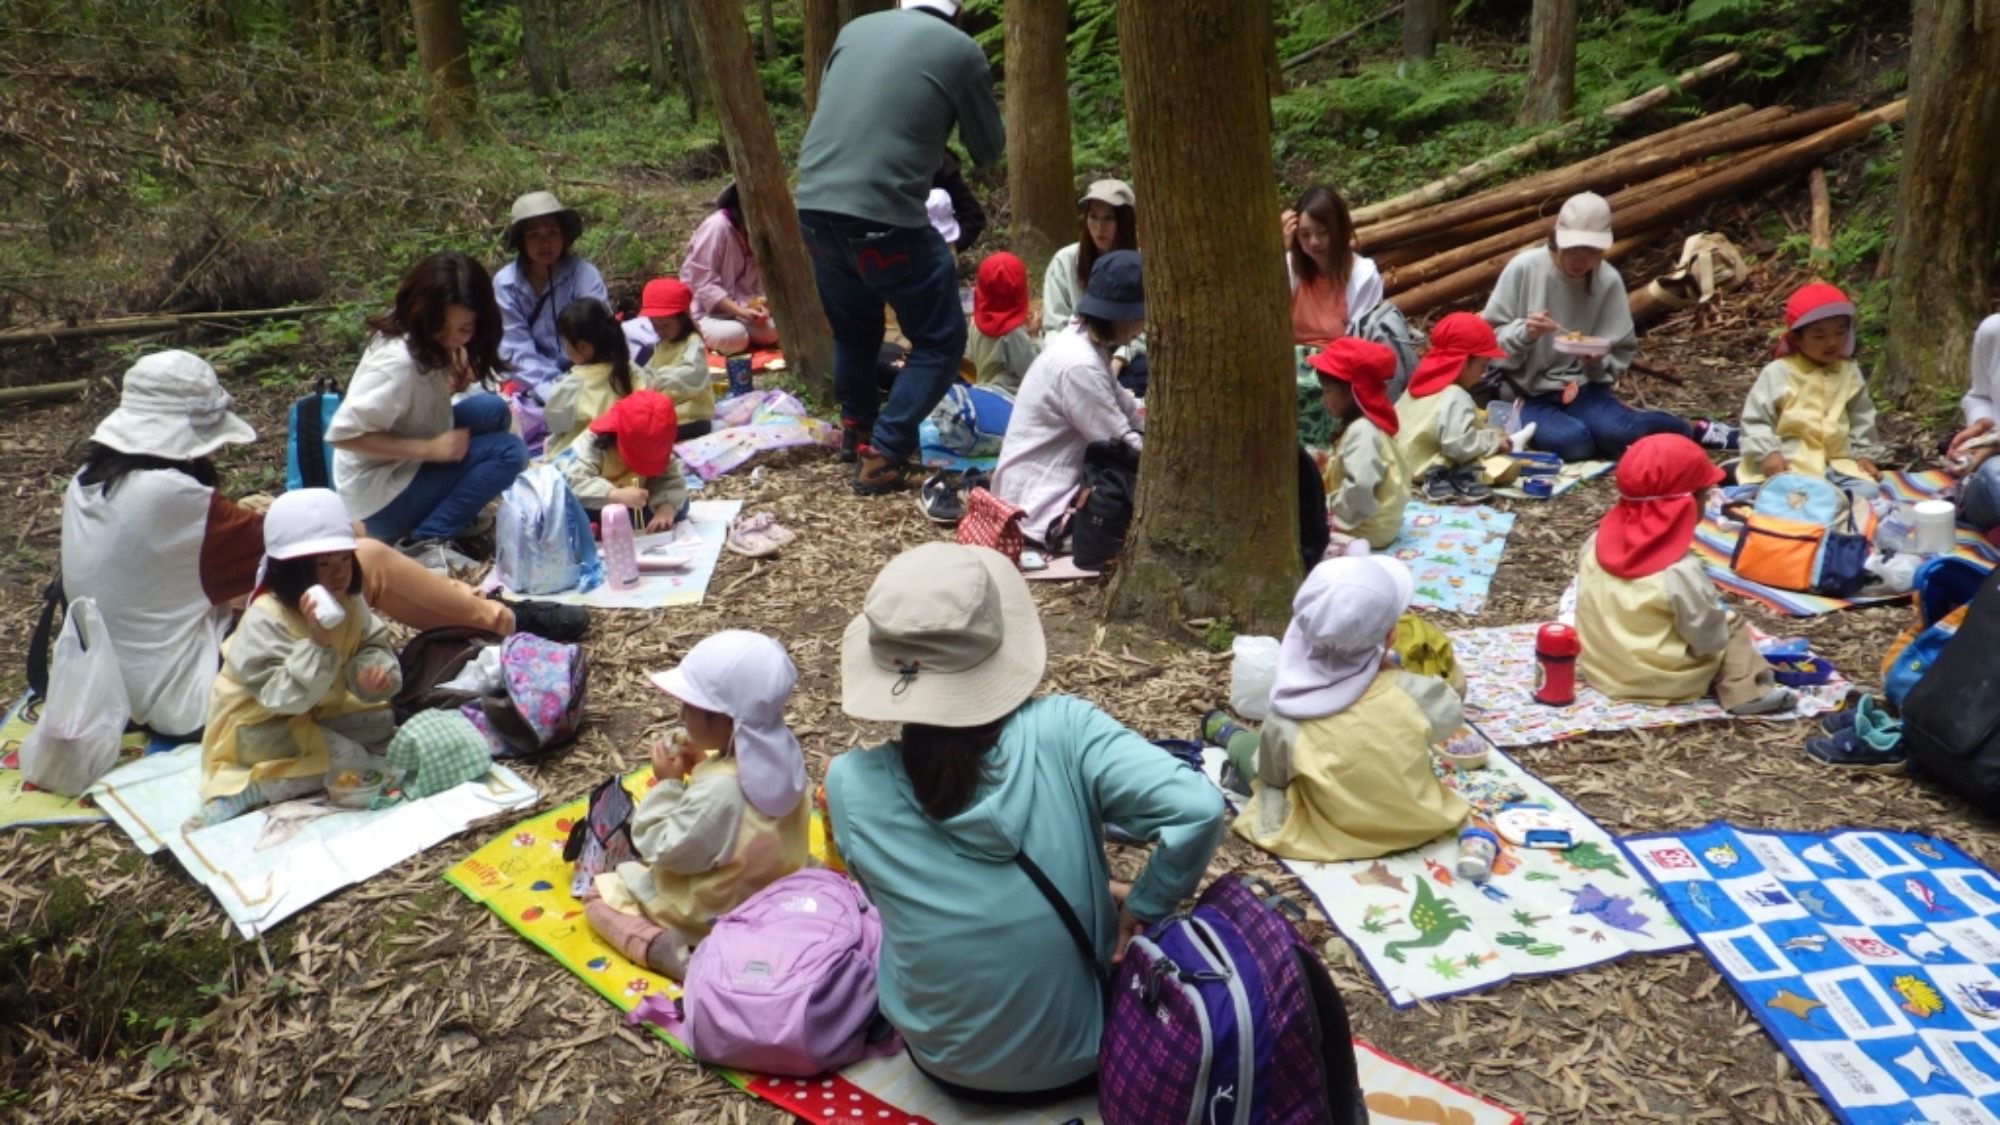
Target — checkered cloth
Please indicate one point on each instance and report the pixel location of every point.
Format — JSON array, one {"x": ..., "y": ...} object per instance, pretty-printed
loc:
[{"x": 438, "y": 750}]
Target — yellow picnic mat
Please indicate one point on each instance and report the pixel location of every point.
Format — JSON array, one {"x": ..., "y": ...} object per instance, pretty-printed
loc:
[{"x": 21, "y": 804}]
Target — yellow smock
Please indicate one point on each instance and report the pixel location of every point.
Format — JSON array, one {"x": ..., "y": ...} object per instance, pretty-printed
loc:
[
  {"x": 1633, "y": 648},
  {"x": 1363, "y": 452}
]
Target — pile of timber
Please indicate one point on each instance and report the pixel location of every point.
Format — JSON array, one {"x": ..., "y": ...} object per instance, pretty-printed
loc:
[{"x": 1439, "y": 254}]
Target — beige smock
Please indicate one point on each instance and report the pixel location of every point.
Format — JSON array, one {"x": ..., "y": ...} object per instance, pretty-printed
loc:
[
  {"x": 1443, "y": 431},
  {"x": 576, "y": 400},
  {"x": 1818, "y": 417},
  {"x": 1367, "y": 484},
  {"x": 1657, "y": 639}
]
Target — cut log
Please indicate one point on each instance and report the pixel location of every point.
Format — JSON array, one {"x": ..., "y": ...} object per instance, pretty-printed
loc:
[
  {"x": 141, "y": 325},
  {"x": 1466, "y": 282},
  {"x": 1658, "y": 95},
  {"x": 1822, "y": 220},
  {"x": 47, "y": 392},
  {"x": 1307, "y": 56}
]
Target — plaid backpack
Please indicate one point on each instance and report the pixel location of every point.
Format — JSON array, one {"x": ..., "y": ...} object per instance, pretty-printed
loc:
[{"x": 1225, "y": 1014}]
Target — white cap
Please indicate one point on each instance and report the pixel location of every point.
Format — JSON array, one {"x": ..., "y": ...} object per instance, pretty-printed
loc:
[
  {"x": 309, "y": 521},
  {"x": 1585, "y": 220},
  {"x": 946, "y": 8},
  {"x": 748, "y": 677}
]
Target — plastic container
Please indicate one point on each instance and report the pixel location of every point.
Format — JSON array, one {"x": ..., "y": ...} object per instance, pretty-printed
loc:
[
  {"x": 1556, "y": 648},
  {"x": 326, "y": 609},
  {"x": 1937, "y": 527},
  {"x": 1895, "y": 526},
  {"x": 1477, "y": 849},
  {"x": 355, "y": 789},
  {"x": 738, "y": 369},
  {"x": 1590, "y": 347}
]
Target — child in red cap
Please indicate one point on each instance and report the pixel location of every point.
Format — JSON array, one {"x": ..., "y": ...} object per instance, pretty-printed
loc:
[
  {"x": 1809, "y": 411},
  {"x": 1653, "y": 628},
  {"x": 1367, "y": 484},
  {"x": 999, "y": 346},
  {"x": 671, "y": 354},
  {"x": 1440, "y": 432},
  {"x": 627, "y": 457}
]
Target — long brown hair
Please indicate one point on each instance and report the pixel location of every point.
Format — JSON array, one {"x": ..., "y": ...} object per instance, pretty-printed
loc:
[
  {"x": 947, "y": 765},
  {"x": 433, "y": 285},
  {"x": 1330, "y": 211},
  {"x": 1086, "y": 248}
]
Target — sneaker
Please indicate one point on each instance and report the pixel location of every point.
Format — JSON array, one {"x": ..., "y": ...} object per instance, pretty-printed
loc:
[
  {"x": 437, "y": 556},
  {"x": 876, "y": 475},
  {"x": 757, "y": 536},
  {"x": 1437, "y": 486},
  {"x": 1716, "y": 435},
  {"x": 975, "y": 478},
  {"x": 939, "y": 501},
  {"x": 852, "y": 435},
  {"x": 1770, "y": 703},
  {"x": 1848, "y": 749},
  {"x": 1467, "y": 484},
  {"x": 549, "y": 620},
  {"x": 1839, "y": 722}
]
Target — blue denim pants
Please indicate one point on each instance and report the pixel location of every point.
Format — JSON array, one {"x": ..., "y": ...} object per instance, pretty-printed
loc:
[
  {"x": 1595, "y": 426},
  {"x": 444, "y": 496}
]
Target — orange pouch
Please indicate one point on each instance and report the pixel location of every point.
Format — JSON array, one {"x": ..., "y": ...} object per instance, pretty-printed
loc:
[{"x": 1777, "y": 552}]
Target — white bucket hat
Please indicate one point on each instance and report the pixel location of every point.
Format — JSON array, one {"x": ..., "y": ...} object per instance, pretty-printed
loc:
[
  {"x": 172, "y": 407},
  {"x": 307, "y": 521},
  {"x": 1340, "y": 626},
  {"x": 948, "y": 637},
  {"x": 748, "y": 677}
]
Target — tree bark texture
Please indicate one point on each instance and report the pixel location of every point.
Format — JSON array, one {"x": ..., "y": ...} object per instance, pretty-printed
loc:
[
  {"x": 658, "y": 68},
  {"x": 822, "y": 20},
  {"x": 440, "y": 35},
  {"x": 1274, "y": 67},
  {"x": 1041, "y": 182},
  {"x": 1948, "y": 203},
  {"x": 1216, "y": 527},
  {"x": 851, "y": 10},
  {"x": 768, "y": 213},
  {"x": 769, "y": 20},
  {"x": 543, "y": 48},
  {"x": 1423, "y": 22},
  {"x": 389, "y": 26},
  {"x": 1550, "y": 89},
  {"x": 688, "y": 66}
]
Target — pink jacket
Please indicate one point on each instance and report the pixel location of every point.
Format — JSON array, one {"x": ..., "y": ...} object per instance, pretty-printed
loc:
[{"x": 717, "y": 265}]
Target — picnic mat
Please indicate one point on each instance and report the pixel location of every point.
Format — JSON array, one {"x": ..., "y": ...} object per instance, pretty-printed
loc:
[
  {"x": 1873, "y": 958},
  {"x": 1452, "y": 553},
  {"x": 701, "y": 536},
  {"x": 750, "y": 424},
  {"x": 1716, "y": 545},
  {"x": 520, "y": 876},
  {"x": 761, "y": 359},
  {"x": 1572, "y": 474},
  {"x": 269, "y": 864},
  {"x": 1425, "y": 933},
  {"x": 24, "y": 806},
  {"x": 1500, "y": 680}
]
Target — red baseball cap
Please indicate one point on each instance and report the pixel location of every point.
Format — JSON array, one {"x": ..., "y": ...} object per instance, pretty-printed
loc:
[
  {"x": 644, "y": 423},
  {"x": 665, "y": 296}
]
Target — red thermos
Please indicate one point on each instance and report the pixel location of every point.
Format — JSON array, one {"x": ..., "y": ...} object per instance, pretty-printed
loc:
[{"x": 1556, "y": 649}]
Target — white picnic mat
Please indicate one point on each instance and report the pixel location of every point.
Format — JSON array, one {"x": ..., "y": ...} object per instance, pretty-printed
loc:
[
  {"x": 701, "y": 535},
  {"x": 269, "y": 864}
]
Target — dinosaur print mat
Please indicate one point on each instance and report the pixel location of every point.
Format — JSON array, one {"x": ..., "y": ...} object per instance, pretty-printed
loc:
[
  {"x": 1873, "y": 958},
  {"x": 1425, "y": 933},
  {"x": 1452, "y": 553}
]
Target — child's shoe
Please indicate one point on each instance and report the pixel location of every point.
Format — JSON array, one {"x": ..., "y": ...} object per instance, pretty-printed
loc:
[
  {"x": 939, "y": 501},
  {"x": 1848, "y": 749},
  {"x": 1438, "y": 487},
  {"x": 1715, "y": 435},
  {"x": 1467, "y": 484},
  {"x": 1770, "y": 703},
  {"x": 1839, "y": 722}
]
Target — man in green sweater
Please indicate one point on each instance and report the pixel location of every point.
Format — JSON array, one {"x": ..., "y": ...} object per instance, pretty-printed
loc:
[{"x": 895, "y": 85}]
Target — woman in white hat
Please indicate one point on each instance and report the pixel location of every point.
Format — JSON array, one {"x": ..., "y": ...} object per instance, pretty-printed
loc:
[
  {"x": 1107, "y": 219},
  {"x": 1567, "y": 289},
  {"x": 148, "y": 535},
  {"x": 982, "y": 784},
  {"x": 544, "y": 277},
  {"x": 307, "y": 676}
]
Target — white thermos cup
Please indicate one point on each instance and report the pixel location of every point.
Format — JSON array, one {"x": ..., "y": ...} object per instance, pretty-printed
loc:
[
  {"x": 1937, "y": 527},
  {"x": 326, "y": 609}
]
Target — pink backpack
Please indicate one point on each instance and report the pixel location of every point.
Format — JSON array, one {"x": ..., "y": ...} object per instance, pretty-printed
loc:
[{"x": 784, "y": 984}]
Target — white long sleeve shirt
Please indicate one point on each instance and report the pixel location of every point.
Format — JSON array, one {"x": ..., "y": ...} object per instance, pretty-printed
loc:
[{"x": 1068, "y": 399}]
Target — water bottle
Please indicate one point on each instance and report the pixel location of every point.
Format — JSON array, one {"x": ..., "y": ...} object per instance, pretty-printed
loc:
[
  {"x": 1556, "y": 649},
  {"x": 738, "y": 369},
  {"x": 621, "y": 561},
  {"x": 1477, "y": 849},
  {"x": 326, "y": 609}
]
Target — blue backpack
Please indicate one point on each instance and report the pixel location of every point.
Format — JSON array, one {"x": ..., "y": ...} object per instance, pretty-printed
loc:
[
  {"x": 1942, "y": 585},
  {"x": 308, "y": 458},
  {"x": 1802, "y": 533}
]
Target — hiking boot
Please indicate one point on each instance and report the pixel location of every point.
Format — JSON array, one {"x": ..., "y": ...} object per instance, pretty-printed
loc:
[
  {"x": 437, "y": 556},
  {"x": 853, "y": 435},
  {"x": 1467, "y": 484},
  {"x": 1851, "y": 751},
  {"x": 1438, "y": 488},
  {"x": 939, "y": 501},
  {"x": 1715, "y": 435},
  {"x": 876, "y": 475},
  {"x": 548, "y": 620}
]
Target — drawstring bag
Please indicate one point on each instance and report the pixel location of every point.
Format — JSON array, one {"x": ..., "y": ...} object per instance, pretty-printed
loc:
[
  {"x": 543, "y": 537},
  {"x": 993, "y": 523},
  {"x": 539, "y": 705},
  {"x": 76, "y": 739}
]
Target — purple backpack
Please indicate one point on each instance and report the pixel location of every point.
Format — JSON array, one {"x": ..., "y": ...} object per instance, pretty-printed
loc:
[
  {"x": 1224, "y": 1014},
  {"x": 541, "y": 704},
  {"x": 783, "y": 984}
]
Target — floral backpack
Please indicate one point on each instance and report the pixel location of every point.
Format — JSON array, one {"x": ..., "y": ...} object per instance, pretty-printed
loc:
[{"x": 540, "y": 703}]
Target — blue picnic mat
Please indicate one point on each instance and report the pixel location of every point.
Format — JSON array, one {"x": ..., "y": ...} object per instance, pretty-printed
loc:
[
  {"x": 1452, "y": 553},
  {"x": 1872, "y": 957}
]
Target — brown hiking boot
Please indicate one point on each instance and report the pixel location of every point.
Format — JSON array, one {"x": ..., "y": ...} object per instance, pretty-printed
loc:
[{"x": 876, "y": 475}]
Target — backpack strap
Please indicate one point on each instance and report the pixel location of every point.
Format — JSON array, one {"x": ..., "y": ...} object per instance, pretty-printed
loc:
[
  {"x": 309, "y": 429},
  {"x": 1070, "y": 922},
  {"x": 39, "y": 641}
]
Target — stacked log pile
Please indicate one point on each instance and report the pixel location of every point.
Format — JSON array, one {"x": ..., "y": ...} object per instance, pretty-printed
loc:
[{"x": 1434, "y": 254}]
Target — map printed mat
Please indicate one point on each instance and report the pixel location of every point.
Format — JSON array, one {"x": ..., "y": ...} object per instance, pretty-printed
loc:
[{"x": 1873, "y": 958}]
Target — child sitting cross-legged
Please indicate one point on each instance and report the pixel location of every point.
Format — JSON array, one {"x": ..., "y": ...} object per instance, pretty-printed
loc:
[
  {"x": 1439, "y": 429},
  {"x": 736, "y": 824},
  {"x": 671, "y": 355},
  {"x": 1343, "y": 765},
  {"x": 1652, "y": 626},
  {"x": 626, "y": 457},
  {"x": 1367, "y": 484},
  {"x": 1809, "y": 410},
  {"x": 296, "y": 698}
]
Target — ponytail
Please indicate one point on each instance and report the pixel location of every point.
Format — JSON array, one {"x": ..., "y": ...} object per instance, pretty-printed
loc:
[{"x": 947, "y": 765}]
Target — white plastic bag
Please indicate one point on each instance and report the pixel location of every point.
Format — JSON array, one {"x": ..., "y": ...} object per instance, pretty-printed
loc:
[
  {"x": 542, "y": 535},
  {"x": 1252, "y": 671},
  {"x": 75, "y": 741}
]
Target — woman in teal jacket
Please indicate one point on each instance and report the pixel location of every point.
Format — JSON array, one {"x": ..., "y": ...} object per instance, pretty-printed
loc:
[{"x": 978, "y": 971}]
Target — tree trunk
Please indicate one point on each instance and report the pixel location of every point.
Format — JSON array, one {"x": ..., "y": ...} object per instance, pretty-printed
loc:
[
  {"x": 1423, "y": 22},
  {"x": 441, "y": 54},
  {"x": 1041, "y": 184},
  {"x": 657, "y": 65},
  {"x": 1550, "y": 89},
  {"x": 822, "y": 20},
  {"x": 1216, "y": 531},
  {"x": 542, "y": 47},
  {"x": 389, "y": 17},
  {"x": 1948, "y": 204},
  {"x": 768, "y": 214},
  {"x": 1274, "y": 67},
  {"x": 851, "y": 10},
  {"x": 770, "y": 22},
  {"x": 687, "y": 57}
]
